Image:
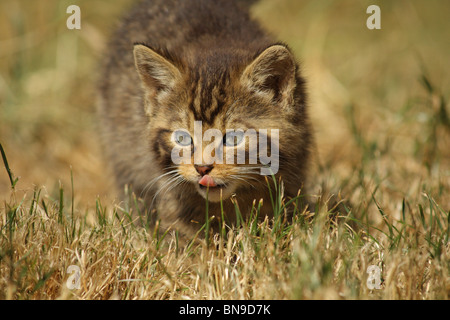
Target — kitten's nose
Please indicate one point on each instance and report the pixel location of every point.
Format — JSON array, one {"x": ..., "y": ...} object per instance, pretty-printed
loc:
[{"x": 203, "y": 169}]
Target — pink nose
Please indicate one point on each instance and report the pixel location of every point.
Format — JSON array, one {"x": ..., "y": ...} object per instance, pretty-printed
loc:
[{"x": 202, "y": 170}]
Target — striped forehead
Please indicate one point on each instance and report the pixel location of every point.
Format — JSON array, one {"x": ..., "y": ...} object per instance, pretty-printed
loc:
[{"x": 208, "y": 95}]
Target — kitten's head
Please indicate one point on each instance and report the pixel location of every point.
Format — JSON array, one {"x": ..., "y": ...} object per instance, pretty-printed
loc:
[{"x": 207, "y": 109}]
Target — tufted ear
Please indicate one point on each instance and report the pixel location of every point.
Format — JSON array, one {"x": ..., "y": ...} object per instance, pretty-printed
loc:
[
  {"x": 156, "y": 72},
  {"x": 272, "y": 73}
]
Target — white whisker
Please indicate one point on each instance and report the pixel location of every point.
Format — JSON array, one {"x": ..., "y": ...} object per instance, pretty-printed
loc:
[{"x": 154, "y": 180}]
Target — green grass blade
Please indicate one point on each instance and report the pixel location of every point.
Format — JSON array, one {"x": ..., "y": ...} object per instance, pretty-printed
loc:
[{"x": 12, "y": 179}]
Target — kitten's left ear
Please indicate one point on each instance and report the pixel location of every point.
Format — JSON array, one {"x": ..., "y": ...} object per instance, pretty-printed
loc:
[{"x": 272, "y": 73}]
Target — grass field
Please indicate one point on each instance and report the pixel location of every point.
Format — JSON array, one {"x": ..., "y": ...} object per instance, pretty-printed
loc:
[{"x": 379, "y": 107}]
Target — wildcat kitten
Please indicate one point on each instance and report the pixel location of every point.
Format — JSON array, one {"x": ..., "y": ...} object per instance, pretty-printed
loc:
[{"x": 174, "y": 63}]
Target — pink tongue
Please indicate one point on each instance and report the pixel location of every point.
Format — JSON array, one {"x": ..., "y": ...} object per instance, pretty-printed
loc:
[{"x": 207, "y": 181}]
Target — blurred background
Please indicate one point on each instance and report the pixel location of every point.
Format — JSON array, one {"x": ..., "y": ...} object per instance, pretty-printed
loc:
[{"x": 378, "y": 98}]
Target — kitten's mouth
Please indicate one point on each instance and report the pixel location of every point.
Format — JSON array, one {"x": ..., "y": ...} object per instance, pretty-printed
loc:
[
  {"x": 207, "y": 181},
  {"x": 219, "y": 186},
  {"x": 214, "y": 190}
]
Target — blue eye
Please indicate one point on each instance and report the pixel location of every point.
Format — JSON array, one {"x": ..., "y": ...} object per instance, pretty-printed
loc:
[
  {"x": 233, "y": 138},
  {"x": 182, "y": 138}
]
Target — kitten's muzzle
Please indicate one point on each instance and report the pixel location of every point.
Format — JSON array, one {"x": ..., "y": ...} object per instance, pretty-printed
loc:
[{"x": 206, "y": 181}]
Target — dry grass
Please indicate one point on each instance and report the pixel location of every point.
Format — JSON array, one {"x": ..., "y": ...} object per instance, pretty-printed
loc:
[{"x": 383, "y": 130}]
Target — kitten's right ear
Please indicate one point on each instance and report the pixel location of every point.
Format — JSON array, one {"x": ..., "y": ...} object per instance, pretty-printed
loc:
[{"x": 156, "y": 72}]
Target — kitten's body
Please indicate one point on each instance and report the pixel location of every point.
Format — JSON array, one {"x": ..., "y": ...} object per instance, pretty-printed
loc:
[{"x": 206, "y": 63}]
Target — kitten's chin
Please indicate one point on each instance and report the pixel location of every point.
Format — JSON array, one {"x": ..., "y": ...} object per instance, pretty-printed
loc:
[{"x": 216, "y": 193}]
